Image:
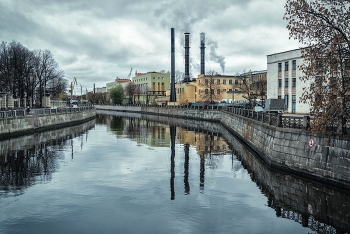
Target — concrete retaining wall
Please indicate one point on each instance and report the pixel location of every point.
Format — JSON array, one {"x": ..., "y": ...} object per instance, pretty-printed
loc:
[
  {"x": 327, "y": 159},
  {"x": 20, "y": 125}
]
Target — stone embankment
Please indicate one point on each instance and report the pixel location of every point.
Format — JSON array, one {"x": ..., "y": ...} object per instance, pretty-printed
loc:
[
  {"x": 321, "y": 158},
  {"x": 42, "y": 120}
]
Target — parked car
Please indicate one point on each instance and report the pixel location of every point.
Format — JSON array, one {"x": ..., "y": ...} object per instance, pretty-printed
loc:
[{"x": 259, "y": 109}]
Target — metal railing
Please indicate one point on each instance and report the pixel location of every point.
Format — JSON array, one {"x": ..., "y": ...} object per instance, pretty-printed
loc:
[{"x": 42, "y": 111}]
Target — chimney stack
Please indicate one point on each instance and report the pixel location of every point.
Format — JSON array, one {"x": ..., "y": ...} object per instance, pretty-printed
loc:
[
  {"x": 187, "y": 57},
  {"x": 172, "y": 85},
  {"x": 202, "y": 43}
]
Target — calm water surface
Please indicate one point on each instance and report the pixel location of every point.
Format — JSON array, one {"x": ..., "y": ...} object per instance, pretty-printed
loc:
[{"x": 133, "y": 176}]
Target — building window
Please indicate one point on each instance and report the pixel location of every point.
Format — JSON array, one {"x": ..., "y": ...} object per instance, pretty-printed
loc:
[
  {"x": 206, "y": 81},
  {"x": 218, "y": 91},
  {"x": 236, "y": 82},
  {"x": 294, "y": 82},
  {"x": 279, "y": 83},
  {"x": 218, "y": 82},
  {"x": 279, "y": 67},
  {"x": 286, "y": 97},
  {"x": 206, "y": 91},
  {"x": 212, "y": 81},
  {"x": 279, "y": 97},
  {"x": 286, "y": 66},
  {"x": 230, "y": 82},
  {"x": 224, "y": 82},
  {"x": 294, "y": 98},
  {"x": 286, "y": 82},
  {"x": 154, "y": 78},
  {"x": 294, "y": 65}
]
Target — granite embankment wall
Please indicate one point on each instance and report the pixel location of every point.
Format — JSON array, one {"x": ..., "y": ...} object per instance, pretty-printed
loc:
[
  {"x": 291, "y": 196},
  {"x": 27, "y": 124},
  {"x": 326, "y": 160}
]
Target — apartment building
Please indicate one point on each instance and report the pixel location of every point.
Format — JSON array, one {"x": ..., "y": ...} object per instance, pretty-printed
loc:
[
  {"x": 283, "y": 80},
  {"x": 151, "y": 85}
]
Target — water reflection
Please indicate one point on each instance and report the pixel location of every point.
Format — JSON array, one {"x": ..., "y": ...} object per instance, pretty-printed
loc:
[
  {"x": 172, "y": 161},
  {"x": 321, "y": 208},
  {"x": 24, "y": 161}
]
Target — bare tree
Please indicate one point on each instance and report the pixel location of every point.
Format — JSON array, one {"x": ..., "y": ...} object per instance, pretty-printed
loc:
[
  {"x": 323, "y": 27},
  {"x": 259, "y": 87},
  {"x": 244, "y": 85},
  {"x": 25, "y": 73},
  {"x": 98, "y": 98},
  {"x": 130, "y": 90},
  {"x": 15, "y": 69},
  {"x": 46, "y": 70},
  {"x": 210, "y": 91}
]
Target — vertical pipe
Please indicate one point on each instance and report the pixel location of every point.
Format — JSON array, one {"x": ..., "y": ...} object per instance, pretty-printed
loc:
[
  {"x": 187, "y": 57},
  {"x": 172, "y": 90},
  {"x": 202, "y": 48}
]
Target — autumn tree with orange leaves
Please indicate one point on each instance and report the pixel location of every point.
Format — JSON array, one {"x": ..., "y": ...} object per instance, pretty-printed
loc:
[{"x": 322, "y": 26}]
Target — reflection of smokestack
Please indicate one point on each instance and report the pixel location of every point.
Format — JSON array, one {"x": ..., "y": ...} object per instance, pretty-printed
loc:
[
  {"x": 172, "y": 90},
  {"x": 202, "y": 38},
  {"x": 201, "y": 174},
  {"x": 172, "y": 160},
  {"x": 186, "y": 166},
  {"x": 187, "y": 57}
]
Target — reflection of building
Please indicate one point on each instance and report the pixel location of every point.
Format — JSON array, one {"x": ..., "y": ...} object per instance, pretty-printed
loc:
[{"x": 204, "y": 142}]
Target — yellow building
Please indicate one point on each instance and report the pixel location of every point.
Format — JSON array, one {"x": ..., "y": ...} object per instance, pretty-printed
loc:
[
  {"x": 218, "y": 88},
  {"x": 151, "y": 85}
]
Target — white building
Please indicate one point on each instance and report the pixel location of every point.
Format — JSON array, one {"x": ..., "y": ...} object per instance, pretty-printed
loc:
[{"x": 283, "y": 80}]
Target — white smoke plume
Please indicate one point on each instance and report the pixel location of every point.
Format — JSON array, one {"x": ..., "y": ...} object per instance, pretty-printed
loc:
[{"x": 214, "y": 56}]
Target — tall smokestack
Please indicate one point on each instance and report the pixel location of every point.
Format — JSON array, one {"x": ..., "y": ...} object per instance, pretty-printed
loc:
[
  {"x": 202, "y": 38},
  {"x": 172, "y": 87},
  {"x": 187, "y": 57}
]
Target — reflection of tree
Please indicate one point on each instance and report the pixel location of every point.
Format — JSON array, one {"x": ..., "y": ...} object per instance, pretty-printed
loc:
[
  {"x": 23, "y": 168},
  {"x": 117, "y": 125}
]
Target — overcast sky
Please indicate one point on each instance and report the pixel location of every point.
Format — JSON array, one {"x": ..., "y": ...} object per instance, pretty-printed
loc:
[{"x": 98, "y": 41}]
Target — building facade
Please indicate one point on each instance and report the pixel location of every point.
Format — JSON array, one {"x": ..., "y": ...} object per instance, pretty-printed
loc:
[
  {"x": 283, "y": 80},
  {"x": 224, "y": 88},
  {"x": 117, "y": 81},
  {"x": 151, "y": 85}
]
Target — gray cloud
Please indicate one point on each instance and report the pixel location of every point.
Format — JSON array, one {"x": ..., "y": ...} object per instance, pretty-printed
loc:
[{"x": 97, "y": 41}]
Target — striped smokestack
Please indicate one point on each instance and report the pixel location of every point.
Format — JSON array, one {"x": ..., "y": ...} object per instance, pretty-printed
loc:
[
  {"x": 202, "y": 38},
  {"x": 187, "y": 58},
  {"x": 172, "y": 87}
]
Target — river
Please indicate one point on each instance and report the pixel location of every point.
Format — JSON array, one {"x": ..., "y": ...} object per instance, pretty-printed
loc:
[{"x": 127, "y": 173}]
